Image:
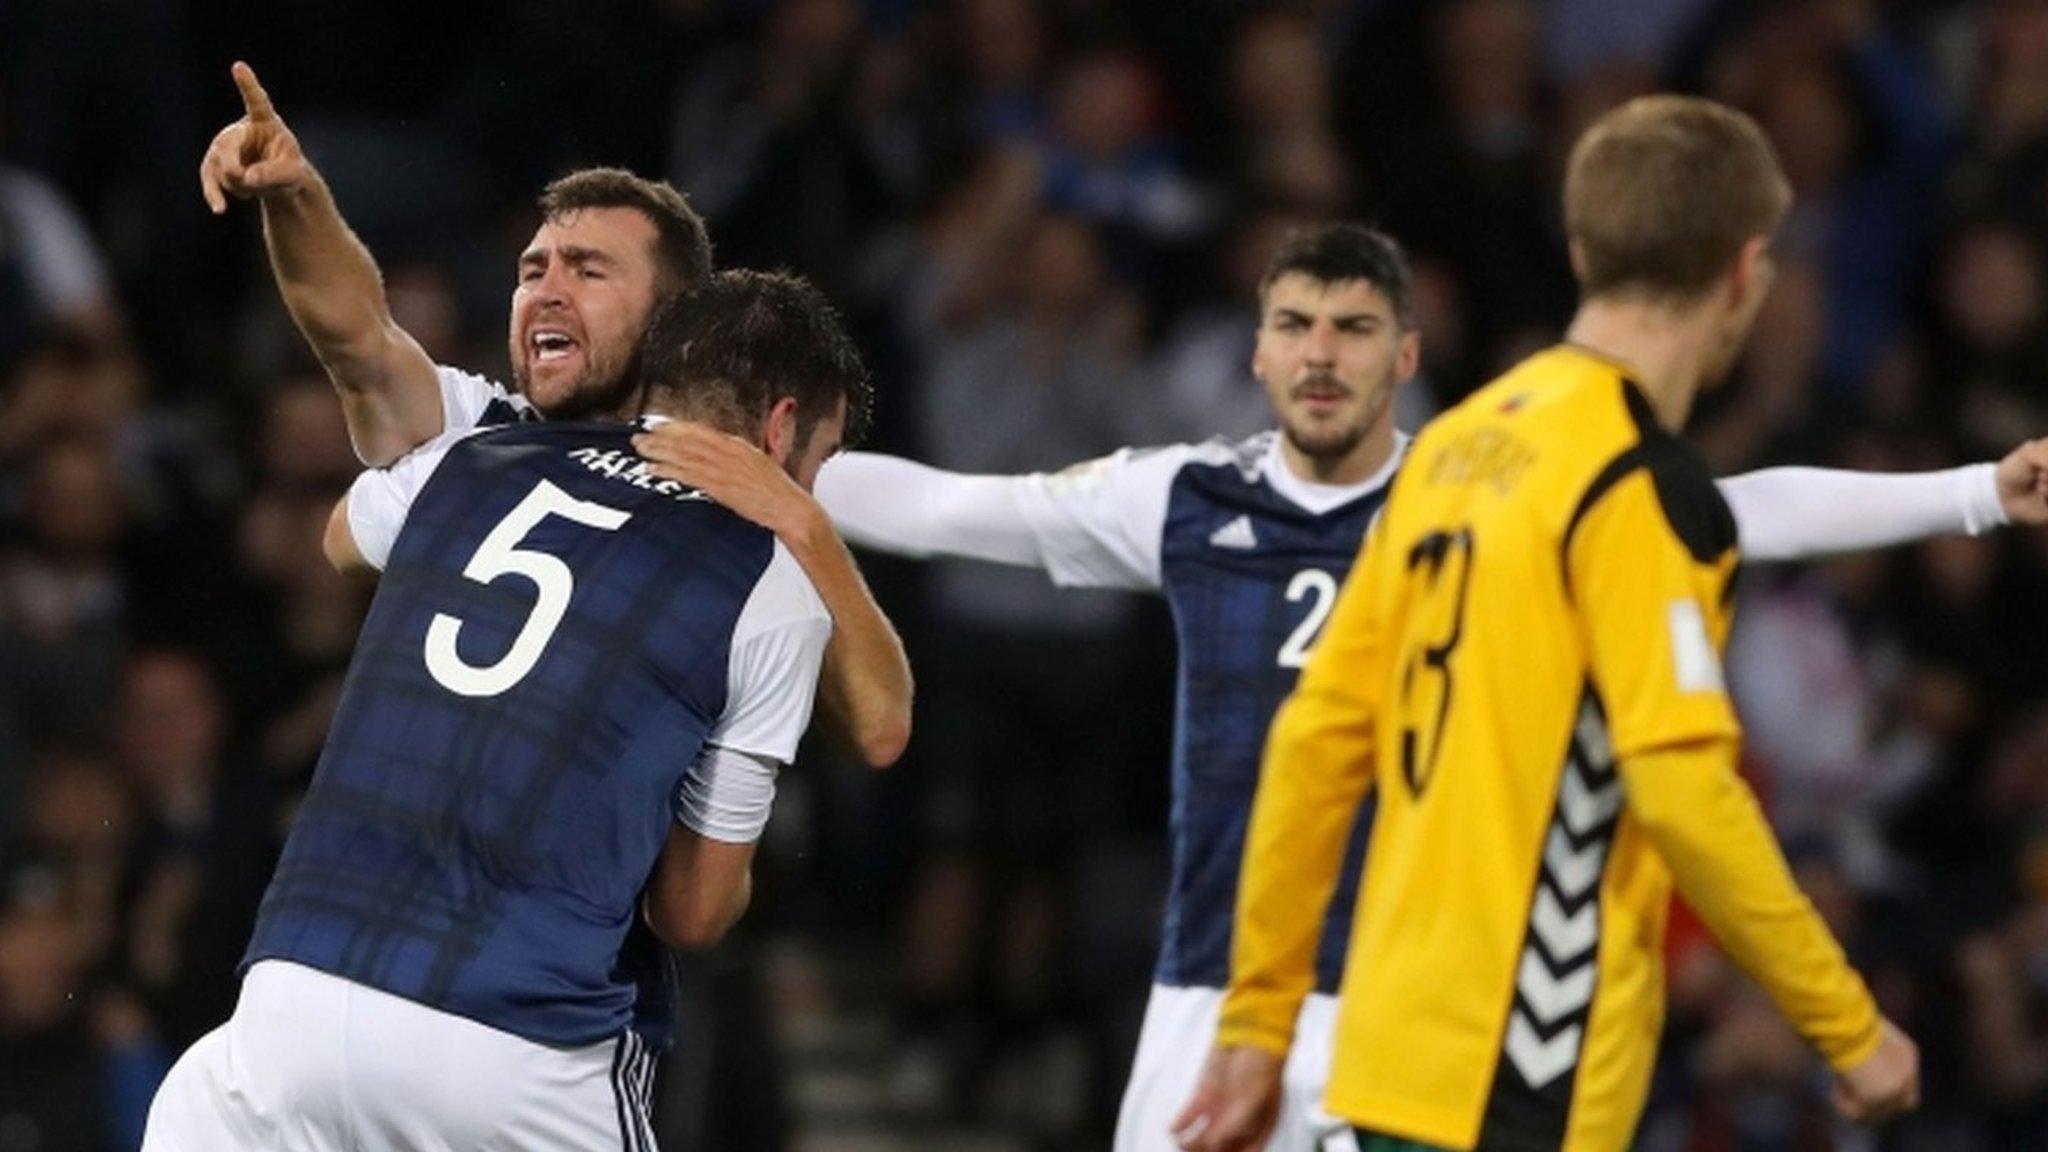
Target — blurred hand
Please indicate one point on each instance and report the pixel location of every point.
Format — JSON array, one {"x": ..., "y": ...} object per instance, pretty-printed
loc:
[
  {"x": 1885, "y": 1085},
  {"x": 731, "y": 471},
  {"x": 2023, "y": 483},
  {"x": 1235, "y": 1104},
  {"x": 256, "y": 155}
]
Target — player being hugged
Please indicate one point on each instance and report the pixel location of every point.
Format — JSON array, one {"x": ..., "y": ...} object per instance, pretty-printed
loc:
[{"x": 556, "y": 747}]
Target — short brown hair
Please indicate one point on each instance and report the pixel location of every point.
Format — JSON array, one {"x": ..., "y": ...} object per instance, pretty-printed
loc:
[
  {"x": 682, "y": 247},
  {"x": 725, "y": 352},
  {"x": 1662, "y": 193}
]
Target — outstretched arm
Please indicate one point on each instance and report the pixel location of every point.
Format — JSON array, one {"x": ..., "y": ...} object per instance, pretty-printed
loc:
[
  {"x": 866, "y": 684},
  {"x": 1097, "y": 524},
  {"x": 909, "y": 509},
  {"x": 1797, "y": 513},
  {"x": 329, "y": 281}
]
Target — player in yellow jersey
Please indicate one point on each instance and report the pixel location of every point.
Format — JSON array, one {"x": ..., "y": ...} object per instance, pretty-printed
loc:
[{"x": 1526, "y": 662}]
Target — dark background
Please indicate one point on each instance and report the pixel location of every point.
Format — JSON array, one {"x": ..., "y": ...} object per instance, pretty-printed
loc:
[{"x": 1045, "y": 221}]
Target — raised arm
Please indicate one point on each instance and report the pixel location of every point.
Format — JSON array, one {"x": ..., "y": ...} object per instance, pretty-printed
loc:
[
  {"x": 329, "y": 281},
  {"x": 1797, "y": 513}
]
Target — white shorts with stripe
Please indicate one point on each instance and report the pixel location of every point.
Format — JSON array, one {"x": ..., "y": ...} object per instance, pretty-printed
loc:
[
  {"x": 1180, "y": 1026},
  {"x": 314, "y": 1063}
]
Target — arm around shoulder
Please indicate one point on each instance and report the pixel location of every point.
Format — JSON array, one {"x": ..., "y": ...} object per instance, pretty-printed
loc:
[{"x": 865, "y": 685}]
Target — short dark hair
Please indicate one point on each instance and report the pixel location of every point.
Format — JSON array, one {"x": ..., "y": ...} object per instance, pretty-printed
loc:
[
  {"x": 1336, "y": 253},
  {"x": 727, "y": 351},
  {"x": 682, "y": 246},
  {"x": 1661, "y": 194}
]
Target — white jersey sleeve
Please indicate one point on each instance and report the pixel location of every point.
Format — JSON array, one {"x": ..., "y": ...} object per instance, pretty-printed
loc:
[
  {"x": 466, "y": 399},
  {"x": 726, "y": 795},
  {"x": 778, "y": 646},
  {"x": 1097, "y": 524},
  {"x": 1796, "y": 513},
  {"x": 379, "y": 498}
]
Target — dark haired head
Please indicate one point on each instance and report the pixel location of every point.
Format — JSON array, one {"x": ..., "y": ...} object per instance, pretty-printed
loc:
[
  {"x": 728, "y": 351},
  {"x": 682, "y": 248},
  {"x": 1340, "y": 253}
]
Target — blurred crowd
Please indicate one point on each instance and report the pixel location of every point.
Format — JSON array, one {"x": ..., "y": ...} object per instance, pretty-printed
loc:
[{"x": 1046, "y": 220}]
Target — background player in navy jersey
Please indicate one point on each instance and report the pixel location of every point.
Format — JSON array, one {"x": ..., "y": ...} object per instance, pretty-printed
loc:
[
  {"x": 610, "y": 248},
  {"x": 1249, "y": 542},
  {"x": 564, "y": 716}
]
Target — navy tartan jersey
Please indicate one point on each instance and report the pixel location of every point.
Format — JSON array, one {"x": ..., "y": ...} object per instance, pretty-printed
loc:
[
  {"x": 548, "y": 651},
  {"x": 1251, "y": 577},
  {"x": 1250, "y": 560}
]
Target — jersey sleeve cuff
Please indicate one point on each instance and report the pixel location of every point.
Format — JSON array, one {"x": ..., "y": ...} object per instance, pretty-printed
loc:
[
  {"x": 1844, "y": 1055},
  {"x": 1977, "y": 484},
  {"x": 1239, "y": 1031}
]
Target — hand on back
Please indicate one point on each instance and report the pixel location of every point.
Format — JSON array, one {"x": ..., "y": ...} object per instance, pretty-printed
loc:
[{"x": 729, "y": 470}]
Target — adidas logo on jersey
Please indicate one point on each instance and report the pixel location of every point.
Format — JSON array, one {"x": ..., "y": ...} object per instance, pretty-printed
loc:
[{"x": 1237, "y": 535}]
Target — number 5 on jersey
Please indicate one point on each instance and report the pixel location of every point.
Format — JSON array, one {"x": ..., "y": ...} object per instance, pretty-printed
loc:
[{"x": 500, "y": 555}]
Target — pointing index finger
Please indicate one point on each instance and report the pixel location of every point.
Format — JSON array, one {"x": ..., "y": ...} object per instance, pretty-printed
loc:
[{"x": 255, "y": 101}]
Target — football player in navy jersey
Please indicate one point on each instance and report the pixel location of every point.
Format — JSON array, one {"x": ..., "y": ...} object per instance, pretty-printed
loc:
[
  {"x": 563, "y": 721},
  {"x": 1249, "y": 542},
  {"x": 611, "y": 246}
]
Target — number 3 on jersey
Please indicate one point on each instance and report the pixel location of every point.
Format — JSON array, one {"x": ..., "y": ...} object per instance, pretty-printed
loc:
[
  {"x": 1442, "y": 563},
  {"x": 500, "y": 555}
]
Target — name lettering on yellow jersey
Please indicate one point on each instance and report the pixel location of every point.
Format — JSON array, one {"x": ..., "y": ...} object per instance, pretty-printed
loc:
[{"x": 1486, "y": 455}]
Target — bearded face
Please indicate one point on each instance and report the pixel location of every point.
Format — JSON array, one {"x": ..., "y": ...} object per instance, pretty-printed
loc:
[
  {"x": 1329, "y": 355},
  {"x": 586, "y": 290}
]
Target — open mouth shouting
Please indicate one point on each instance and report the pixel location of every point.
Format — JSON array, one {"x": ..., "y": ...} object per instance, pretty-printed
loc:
[{"x": 549, "y": 345}]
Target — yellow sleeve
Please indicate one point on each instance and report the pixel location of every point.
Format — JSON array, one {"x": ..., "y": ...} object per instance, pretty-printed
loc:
[
  {"x": 1646, "y": 573},
  {"x": 1316, "y": 771},
  {"x": 1707, "y": 826},
  {"x": 1648, "y": 606}
]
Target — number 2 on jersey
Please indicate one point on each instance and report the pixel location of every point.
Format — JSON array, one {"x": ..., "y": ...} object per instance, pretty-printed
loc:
[
  {"x": 501, "y": 555},
  {"x": 1323, "y": 586},
  {"x": 1445, "y": 563}
]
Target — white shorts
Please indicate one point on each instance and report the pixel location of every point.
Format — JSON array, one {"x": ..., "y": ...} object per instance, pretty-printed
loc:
[
  {"x": 314, "y": 1063},
  {"x": 1180, "y": 1026}
]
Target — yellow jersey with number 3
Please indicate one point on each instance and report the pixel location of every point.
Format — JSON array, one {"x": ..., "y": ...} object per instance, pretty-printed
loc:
[{"x": 1542, "y": 603}]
